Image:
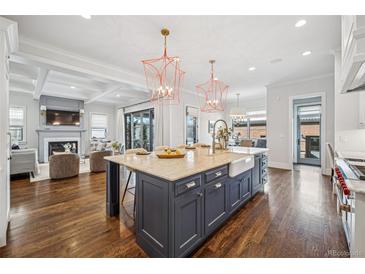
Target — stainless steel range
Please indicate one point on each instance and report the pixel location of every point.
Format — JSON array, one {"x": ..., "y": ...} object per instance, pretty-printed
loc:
[{"x": 357, "y": 166}]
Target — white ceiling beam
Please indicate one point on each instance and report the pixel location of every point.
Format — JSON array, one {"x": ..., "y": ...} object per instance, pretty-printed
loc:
[
  {"x": 78, "y": 86},
  {"x": 54, "y": 59},
  {"x": 66, "y": 95},
  {"x": 41, "y": 80},
  {"x": 23, "y": 70},
  {"x": 101, "y": 95},
  {"x": 19, "y": 89}
]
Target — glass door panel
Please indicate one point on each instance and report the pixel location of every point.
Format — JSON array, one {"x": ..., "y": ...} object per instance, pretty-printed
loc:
[
  {"x": 308, "y": 134},
  {"x": 192, "y": 125},
  {"x": 139, "y": 129}
]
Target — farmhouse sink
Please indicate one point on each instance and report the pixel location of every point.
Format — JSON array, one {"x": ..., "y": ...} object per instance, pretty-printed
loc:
[{"x": 241, "y": 165}]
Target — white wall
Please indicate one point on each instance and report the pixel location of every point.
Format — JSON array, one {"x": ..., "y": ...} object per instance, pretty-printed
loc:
[
  {"x": 31, "y": 118},
  {"x": 348, "y": 137},
  {"x": 107, "y": 109},
  {"x": 279, "y": 135}
]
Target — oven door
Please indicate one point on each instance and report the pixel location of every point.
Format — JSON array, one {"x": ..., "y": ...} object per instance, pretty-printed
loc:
[{"x": 345, "y": 208}]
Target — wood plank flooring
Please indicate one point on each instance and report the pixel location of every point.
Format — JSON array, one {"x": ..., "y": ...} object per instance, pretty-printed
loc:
[{"x": 294, "y": 217}]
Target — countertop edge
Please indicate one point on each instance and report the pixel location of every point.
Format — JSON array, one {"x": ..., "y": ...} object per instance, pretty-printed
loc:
[{"x": 174, "y": 179}]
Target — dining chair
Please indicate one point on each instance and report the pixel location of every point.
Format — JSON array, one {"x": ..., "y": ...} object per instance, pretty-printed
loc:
[{"x": 246, "y": 143}]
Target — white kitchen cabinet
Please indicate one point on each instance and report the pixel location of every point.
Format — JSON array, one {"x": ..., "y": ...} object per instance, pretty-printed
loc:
[{"x": 362, "y": 109}]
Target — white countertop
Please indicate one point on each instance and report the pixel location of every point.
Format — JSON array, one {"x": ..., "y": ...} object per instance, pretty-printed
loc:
[
  {"x": 195, "y": 161},
  {"x": 248, "y": 150},
  {"x": 352, "y": 154}
]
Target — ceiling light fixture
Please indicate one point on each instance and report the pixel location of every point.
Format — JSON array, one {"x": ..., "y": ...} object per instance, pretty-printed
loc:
[
  {"x": 118, "y": 95},
  {"x": 237, "y": 113},
  {"x": 86, "y": 16},
  {"x": 164, "y": 76},
  {"x": 300, "y": 23},
  {"x": 252, "y": 68},
  {"x": 308, "y": 52},
  {"x": 215, "y": 92},
  {"x": 72, "y": 87}
]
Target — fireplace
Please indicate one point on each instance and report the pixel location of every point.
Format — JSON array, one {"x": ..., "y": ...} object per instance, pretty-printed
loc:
[{"x": 58, "y": 146}]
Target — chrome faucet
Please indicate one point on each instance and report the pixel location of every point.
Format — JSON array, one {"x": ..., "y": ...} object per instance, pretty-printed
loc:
[{"x": 213, "y": 142}]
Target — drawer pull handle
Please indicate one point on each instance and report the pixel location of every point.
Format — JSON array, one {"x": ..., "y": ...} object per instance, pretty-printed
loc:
[
  {"x": 218, "y": 185},
  {"x": 219, "y": 173},
  {"x": 190, "y": 185}
]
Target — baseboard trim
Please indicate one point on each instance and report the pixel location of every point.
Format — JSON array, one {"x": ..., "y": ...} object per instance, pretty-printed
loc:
[
  {"x": 3, "y": 235},
  {"x": 280, "y": 165}
]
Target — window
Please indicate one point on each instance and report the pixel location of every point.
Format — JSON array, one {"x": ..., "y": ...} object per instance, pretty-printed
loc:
[
  {"x": 192, "y": 121},
  {"x": 257, "y": 127},
  {"x": 240, "y": 129},
  {"x": 99, "y": 125},
  {"x": 253, "y": 127},
  {"x": 17, "y": 123}
]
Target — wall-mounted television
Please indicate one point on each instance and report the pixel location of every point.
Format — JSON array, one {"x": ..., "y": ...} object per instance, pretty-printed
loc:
[{"x": 62, "y": 118}]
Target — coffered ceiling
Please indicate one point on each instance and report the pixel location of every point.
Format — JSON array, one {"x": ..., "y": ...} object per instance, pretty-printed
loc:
[{"x": 271, "y": 44}]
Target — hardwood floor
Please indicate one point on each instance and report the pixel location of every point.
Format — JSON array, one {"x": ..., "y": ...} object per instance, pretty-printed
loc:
[{"x": 295, "y": 217}]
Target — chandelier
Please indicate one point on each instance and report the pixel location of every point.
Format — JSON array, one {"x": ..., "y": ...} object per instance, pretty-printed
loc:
[
  {"x": 237, "y": 113},
  {"x": 215, "y": 93},
  {"x": 164, "y": 76}
]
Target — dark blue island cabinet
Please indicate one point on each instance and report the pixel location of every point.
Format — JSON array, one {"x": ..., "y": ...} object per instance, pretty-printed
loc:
[{"x": 174, "y": 218}]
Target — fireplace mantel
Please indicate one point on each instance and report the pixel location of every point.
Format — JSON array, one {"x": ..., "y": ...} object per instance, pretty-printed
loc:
[{"x": 60, "y": 130}]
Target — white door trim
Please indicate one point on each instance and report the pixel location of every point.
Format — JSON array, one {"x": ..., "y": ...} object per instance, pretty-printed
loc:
[{"x": 323, "y": 127}]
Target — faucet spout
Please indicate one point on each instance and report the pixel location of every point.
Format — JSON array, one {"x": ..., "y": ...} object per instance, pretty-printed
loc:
[{"x": 213, "y": 135}]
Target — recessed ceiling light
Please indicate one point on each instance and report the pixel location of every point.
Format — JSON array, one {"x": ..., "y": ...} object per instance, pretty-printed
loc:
[
  {"x": 252, "y": 68},
  {"x": 308, "y": 52},
  {"x": 86, "y": 16},
  {"x": 118, "y": 95},
  {"x": 72, "y": 87},
  {"x": 300, "y": 23}
]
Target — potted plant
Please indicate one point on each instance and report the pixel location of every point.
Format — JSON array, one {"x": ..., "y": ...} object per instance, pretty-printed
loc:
[
  {"x": 115, "y": 147},
  {"x": 223, "y": 136}
]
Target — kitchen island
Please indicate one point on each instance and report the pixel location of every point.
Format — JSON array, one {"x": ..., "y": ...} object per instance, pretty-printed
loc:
[{"x": 180, "y": 202}]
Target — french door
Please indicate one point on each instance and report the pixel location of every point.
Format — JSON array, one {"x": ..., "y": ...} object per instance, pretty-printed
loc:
[
  {"x": 139, "y": 129},
  {"x": 309, "y": 134}
]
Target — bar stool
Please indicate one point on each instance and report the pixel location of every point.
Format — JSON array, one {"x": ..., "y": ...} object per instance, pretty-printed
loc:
[{"x": 131, "y": 151}]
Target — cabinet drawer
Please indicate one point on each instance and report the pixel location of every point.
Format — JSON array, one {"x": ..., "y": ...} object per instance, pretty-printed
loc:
[
  {"x": 215, "y": 173},
  {"x": 187, "y": 184}
]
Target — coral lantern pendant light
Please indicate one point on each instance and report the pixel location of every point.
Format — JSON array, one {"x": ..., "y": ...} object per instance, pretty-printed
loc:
[
  {"x": 215, "y": 93},
  {"x": 164, "y": 76}
]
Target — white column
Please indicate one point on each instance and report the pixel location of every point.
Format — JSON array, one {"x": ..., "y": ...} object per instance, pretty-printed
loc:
[{"x": 8, "y": 43}]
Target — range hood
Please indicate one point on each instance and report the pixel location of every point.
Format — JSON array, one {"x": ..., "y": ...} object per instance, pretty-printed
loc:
[
  {"x": 354, "y": 79},
  {"x": 353, "y": 63}
]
